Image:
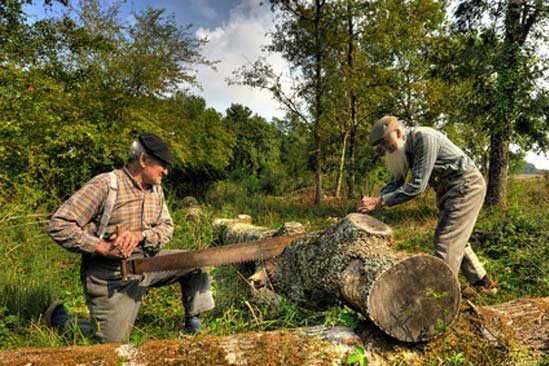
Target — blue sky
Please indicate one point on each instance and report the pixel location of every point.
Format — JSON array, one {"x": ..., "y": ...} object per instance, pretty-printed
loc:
[
  {"x": 205, "y": 13},
  {"x": 236, "y": 29}
]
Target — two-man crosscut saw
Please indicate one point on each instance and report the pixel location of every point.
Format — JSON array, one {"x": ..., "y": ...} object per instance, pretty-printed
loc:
[{"x": 216, "y": 256}]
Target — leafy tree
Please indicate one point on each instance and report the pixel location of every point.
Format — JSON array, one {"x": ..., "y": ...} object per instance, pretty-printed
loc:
[
  {"x": 519, "y": 113},
  {"x": 200, "y": 139},
  {"x": 343, "y": 83},
  {"x": 463, "y": 67},
  {"x": 70, "y": 109},
  {"x": 301, "y": 35},
  {"x": 296, "y": 152},
  {"x": 381, "y": 65},
  {"x": 255, "y": 156}
]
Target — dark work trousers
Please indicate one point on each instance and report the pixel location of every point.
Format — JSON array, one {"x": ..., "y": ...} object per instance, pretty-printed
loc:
[{"x": 114, "y": 303}]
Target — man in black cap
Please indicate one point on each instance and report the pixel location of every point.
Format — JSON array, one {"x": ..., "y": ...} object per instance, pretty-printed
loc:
[
  {"x": 432, "y": 159},
  {"x": 119, "y": 215}
]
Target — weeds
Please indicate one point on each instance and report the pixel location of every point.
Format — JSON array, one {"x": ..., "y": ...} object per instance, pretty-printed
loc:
[
  {"x": 34, "y": 270},
  {"x": 358, "y": 357}
]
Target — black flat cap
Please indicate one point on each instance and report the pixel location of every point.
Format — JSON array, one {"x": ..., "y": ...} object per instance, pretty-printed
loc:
[{"x": 156, "y": 147}]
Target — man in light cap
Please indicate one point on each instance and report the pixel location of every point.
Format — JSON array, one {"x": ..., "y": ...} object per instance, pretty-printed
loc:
[
  {"x": 119, "y": 215},
  {"x": 434, "y": 160}
]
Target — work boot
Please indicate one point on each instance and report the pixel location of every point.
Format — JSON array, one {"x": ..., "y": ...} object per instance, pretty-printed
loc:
[
  {"x": 192, "y": 324},
  {"x": 484, "y": 286},
  {"x": 85, "y": 326},
  {"x": 56, "y": 316}
]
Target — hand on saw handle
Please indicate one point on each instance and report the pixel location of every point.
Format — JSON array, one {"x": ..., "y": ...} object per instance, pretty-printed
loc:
[
  {"x": 106, "y": 248},
  {"x": 126, "y": 240},
  {"x": 120, "y": 244}
]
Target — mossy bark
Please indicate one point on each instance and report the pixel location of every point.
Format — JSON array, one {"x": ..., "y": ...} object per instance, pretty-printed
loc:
[
  {"x": 410, "y": 297},
  {"x": 312, "y": 346},
  {"x": 514, "y": 333}
]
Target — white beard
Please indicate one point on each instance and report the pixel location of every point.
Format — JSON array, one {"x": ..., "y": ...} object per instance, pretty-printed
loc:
[{"x": 397, "y": 163}]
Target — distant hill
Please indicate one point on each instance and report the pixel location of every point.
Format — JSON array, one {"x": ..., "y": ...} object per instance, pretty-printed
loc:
[{"x": 530, "y": 168}]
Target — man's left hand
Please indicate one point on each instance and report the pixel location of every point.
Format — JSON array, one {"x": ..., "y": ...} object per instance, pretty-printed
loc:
[{"x": 368, "y": 204}]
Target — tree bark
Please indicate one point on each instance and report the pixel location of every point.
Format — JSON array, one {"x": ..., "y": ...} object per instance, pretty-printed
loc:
[
  {"x": 352, "y": 105},
  {"x": 410, "y": 297},
  {"x": 341, "y": 168},
  {"x": 497, "y": 177},
  {"x": 318, "y": 108},
  {"x": 310, "y": 346},
  {"x": 523, "y": 322},
  {"x": 520, "y": 17}
]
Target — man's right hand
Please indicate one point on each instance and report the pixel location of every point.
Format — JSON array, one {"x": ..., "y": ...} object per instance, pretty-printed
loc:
[
  {"x": 108, "y": 249},
  {"x": 369, "y": 204}
]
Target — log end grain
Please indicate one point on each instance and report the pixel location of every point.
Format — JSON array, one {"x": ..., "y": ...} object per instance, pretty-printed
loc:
[
  {"x": 369, "y": 225},
  {"x": 417, "y": 299}
]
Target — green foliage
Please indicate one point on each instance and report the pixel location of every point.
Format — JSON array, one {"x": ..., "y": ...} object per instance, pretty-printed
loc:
[
  {"x": 7, "y": 322},
  {"x": 91, "y": 83},
  {"x": 516, "y": 242},
  {"x": 358, "y": 357},
  {"x": 510, "y": 63},
  {"x": 343, "y": 316},
  {"x": 529, "y": 168},
  {"x": 296, "y": 153},
  {"x": 255, "y": 162},
  {"x": 75, "y": 91},
  {"x": 515, "y": 238}
]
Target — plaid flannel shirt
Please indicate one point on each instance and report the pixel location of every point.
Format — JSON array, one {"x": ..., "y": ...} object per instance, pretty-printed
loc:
[{"x": 74, "y": 225}]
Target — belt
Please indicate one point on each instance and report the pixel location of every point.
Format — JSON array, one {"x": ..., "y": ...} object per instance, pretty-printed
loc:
[{"x": 438, "y": 179}]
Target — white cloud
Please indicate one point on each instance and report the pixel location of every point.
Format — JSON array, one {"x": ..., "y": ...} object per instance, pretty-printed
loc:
[
  {"x": 234, "y": 44},
  {"x": 540, "y": 161}
]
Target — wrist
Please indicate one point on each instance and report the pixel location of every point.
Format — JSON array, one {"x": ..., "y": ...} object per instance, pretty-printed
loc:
[
  {"x": 380, "y": 202},
  {"x": 101, "y": 247}
]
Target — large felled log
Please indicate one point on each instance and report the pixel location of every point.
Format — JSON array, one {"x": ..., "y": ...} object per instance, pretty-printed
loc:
[
  {"x": 526, "y": 319},
  {"x": 410, "y": 297},
  {"x": 313, "y": 346},
  {"x": 522, "y": 321}
]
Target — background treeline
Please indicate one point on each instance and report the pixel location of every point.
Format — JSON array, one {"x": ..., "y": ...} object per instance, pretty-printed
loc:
[{"x": 76, "y": 89}]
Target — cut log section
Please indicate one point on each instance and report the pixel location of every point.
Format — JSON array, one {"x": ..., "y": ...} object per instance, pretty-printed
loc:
[{"x": 410, "y": 297}]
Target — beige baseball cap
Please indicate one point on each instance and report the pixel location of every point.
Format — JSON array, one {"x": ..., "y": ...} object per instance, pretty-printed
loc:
[{"x": 382, "y": 128}]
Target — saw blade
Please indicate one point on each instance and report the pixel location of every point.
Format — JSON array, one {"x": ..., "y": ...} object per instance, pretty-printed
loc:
[{"x": 216, "y": 256}]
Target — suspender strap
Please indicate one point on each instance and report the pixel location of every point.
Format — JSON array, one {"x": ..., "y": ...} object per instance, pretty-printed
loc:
[
  {"x": 416, "y": 131},
  {"x": 108, "y": 205}
]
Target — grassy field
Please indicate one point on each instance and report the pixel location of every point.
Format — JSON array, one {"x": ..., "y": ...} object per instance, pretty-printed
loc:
[{"x": 512, "y": 243}]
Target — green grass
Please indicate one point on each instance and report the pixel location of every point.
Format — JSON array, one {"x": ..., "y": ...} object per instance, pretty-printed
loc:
[{"x": 512, "y": 243}]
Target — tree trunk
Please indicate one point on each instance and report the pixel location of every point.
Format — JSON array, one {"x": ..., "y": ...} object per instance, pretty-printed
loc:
[
  {"x": 318, "y": 169},
  {"x": 410, "y": 297},
  {"x": 351, "y": 151},
  {"x": 492, "y": 334},
  {"x": 497, "y": 177},
  {"x": 341, "y": 165},
  {"x": 318, "y": 101},
  {"x": 520, "y": 17},
  {"x": 310, "y": 346},
  {"x": 352, "y": 106}
]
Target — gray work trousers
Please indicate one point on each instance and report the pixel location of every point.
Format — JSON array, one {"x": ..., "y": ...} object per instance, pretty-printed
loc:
[
  {"x": 459, "y": 200},
  {"x": 114, "y": 303}
]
